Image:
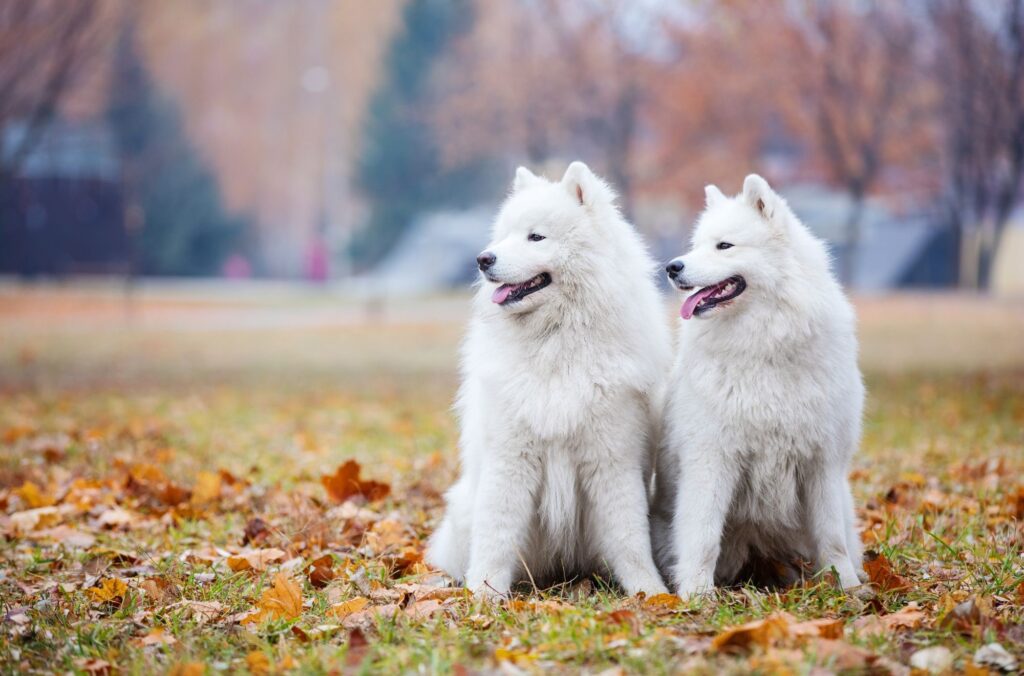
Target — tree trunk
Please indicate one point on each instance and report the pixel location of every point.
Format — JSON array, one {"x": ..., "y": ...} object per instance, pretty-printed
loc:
[{"x": 851, "y": 229}]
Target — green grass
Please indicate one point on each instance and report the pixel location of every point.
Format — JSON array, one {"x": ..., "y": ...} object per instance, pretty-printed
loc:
[{"x": 938, "y": 483}]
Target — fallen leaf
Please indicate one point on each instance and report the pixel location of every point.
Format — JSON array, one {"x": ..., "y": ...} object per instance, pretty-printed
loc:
[
  {"x": 282, "y": 601},
  {"x": 188, "y": 669},
  {"x": 662, "y": 604},
  {"x": 343, "y": 610},
  {"x": 33, "y": 496},
  {"x": 909, "y": 617},
  {"x": 115, "y": 517},
  {"x": 110, "y": 590},
  {"x": 318, "y": 632},
  {"x": 423, "y": 609},
  {"x": 207, "y": 488},
  {"x": 156, "y": 637},
  {"x": 822, "y": 628},
  {"x": 880, "y": 572},
  {"x": 255, "y": 530},
  {"x": 158, "y": 589},
  {"x": 345, "y": 483},
  {"x": 370, "y": 616},
  {"x": 968, "y": 616},
  {"x": 31, "y": 519},
  {"x": 321, "y": 571},
  {"x": 757, "y": 633},
  {"x": 255, "y": 560},
  {"x": 94, "y": 666},
  {"x": 258, "y": 663}
]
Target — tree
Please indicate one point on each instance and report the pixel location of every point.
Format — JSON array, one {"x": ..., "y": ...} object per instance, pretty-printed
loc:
[
  {"x": 859, "y": 96},
  {"x": 979, "y": 60},
  {"x": 400, "y": 170},
  {"x": 547, "y": 79},
  {"x": 173, "y": 205},
  {"x": 44, "y": 46}
]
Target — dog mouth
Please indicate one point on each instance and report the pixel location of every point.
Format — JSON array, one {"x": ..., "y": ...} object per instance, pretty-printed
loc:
[
  {"x": 506, "y": 294},
  {"x": 712, "y": 296}
]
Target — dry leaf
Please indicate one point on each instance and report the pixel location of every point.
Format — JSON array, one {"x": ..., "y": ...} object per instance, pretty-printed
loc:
[
  {"x": 421, "y": 610},
  {"x": 258, "y": 663},
  {"x": 820, "y": 628},
  {"x": 255, "y": 530},
  {"x": 321, "y": 571},
  {"x": 345, "y": 483},
  {"x": 94, "y": 666},
  {"x": 255, "y": 560},
  {"x": 283, "y": 601},
  {"x": 207, "y": 488},
  {"x": 188, "y": 669},
  {"x": 880, "y": 572},
  {"x": 156, "y": 637},
  {"x": 343, "y": 610},
  {"x": 31, "y": 519},
  {"x": 758, "y": 633},
  {"x": 910, "y": 617},
  {"x": 110, "y": 590},
  {"x": 33, "y": 497},
  {"x": 662, "y": 604}
]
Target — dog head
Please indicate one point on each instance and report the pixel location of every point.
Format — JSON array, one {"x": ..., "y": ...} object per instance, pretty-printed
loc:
[
  {"x": 539, "y": 237},
  {"x": 739, "y": 245}
]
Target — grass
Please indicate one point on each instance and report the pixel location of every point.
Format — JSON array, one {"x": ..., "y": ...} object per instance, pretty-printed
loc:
[{"x": 278, "y": 394}]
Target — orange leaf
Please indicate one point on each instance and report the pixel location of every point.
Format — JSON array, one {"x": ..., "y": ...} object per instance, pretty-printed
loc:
[
  {"x": 255, "y": 560},
  {"x": 821, "y": 628},
  {"x": 282, "y": 601},
  {"x": 110, "y": 590},
  {"x": 188, "y": 669},
  {"x": 343, "y": 610},
  {"x": 258, "y": 663},
  {"x": 662, "y": 604},
  {"x": 881, "y": 573},
  {"x": 758, "y": 633},
  {"x": 33, "y": 497},
  {"x": 207, "y": 488},
  {"x": 345, "y": 483}
]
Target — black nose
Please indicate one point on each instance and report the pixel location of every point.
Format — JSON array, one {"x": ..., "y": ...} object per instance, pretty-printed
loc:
[
  {"x": 674, "y": 268},
  {"x": 486, "y": 260}
]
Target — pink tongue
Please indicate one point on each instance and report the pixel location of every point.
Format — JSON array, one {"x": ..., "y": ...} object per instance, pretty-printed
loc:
[
  {"x": 690, "y": 304},
  {"x": 501, "y": 293}
]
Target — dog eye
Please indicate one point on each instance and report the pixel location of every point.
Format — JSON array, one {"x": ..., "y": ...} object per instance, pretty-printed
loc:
[
  {"x": 722, "y": 246},
  {"x": 534, "y": 237}
]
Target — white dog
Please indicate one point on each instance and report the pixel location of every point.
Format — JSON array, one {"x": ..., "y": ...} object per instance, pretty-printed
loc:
[
  {"x": 764, "y": 403},
  {"x": 562, "y": 365}
]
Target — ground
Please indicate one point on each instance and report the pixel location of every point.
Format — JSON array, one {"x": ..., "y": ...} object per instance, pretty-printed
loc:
[{"x": 176, "y": 495}]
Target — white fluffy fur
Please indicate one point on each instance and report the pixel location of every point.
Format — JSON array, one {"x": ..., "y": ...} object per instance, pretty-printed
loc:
[
  {"x": 558, "y": 399},
  {"x": 764, "y": 404}
]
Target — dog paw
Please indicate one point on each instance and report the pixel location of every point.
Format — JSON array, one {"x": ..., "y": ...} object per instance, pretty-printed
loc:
[{"x": 695, "y": 588}]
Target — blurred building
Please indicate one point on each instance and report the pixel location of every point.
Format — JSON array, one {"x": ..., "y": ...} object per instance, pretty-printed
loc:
[{"x": 62, "y": 213}]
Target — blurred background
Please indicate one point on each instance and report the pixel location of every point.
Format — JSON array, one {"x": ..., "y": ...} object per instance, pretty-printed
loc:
[{"x": 340, "y": 142}]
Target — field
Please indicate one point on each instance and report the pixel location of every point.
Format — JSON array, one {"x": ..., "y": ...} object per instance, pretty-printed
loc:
[{"x": 176, "y": 496}]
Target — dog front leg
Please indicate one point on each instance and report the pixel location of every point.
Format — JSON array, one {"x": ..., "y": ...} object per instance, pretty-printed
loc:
[
  {"x": 618, "y": 502},
  {"x": 830, "y": 512},
  {"x": 503, "y": 512},
  {"x": 702, "y": 504}
]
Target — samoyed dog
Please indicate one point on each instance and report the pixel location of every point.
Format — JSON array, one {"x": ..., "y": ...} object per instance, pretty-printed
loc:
[
  {"x": 764, "y": 403},
  {"x": 562, "y": 367}
]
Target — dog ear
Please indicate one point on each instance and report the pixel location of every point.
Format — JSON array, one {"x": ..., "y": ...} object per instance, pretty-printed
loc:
[
  {"x": 524, "y": 178},
  {"x": 713, "y": 196},
  {"x": 760, "y": 195},
  {"x": 584, "y": 186}
]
